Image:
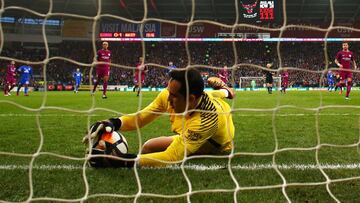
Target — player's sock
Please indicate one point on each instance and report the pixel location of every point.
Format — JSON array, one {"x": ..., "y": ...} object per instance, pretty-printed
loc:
[
  {"x": 95, "y": 85},
  {"x": 6, "y": 89},
  {"x": 26, "y": 90},
  {"x": 12, "y": 87},
  {"x": 105, "y": 88},
  {"x": 18, "y": 89},
  {"x": 342, "y": 86},
  {"x": 348, "y": 88},
  {"x": 138, "y": 92}
]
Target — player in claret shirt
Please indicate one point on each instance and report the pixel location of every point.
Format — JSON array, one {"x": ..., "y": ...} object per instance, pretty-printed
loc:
[
  {"x": 345, "y": 59},
  {"x": 103, "y": 70},
  {"x": 10, "y": 80},
  {"x": 284, "y": 81},
  {"x": 139, "y": 75},
  {"x": 224, "y": 74}
]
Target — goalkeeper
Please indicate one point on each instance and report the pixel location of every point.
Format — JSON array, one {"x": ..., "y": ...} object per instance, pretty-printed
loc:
[{"x": 206, "y": 128}]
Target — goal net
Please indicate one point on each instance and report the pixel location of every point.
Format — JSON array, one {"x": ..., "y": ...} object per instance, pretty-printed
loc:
[
  {"x": 298, "y": 147},
  {"x": 258, "y": 82}
]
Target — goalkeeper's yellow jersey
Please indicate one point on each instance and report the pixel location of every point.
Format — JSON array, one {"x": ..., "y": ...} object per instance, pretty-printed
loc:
[{"x": 210, "y": 122}]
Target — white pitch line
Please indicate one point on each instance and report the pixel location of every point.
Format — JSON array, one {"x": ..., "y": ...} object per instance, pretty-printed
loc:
[
  {"x": 235, "y": 113},
  {"x": 200, "y": 167}
]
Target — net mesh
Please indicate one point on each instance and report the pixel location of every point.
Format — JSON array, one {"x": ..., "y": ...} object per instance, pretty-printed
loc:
[{"x": 236, "y": 65}]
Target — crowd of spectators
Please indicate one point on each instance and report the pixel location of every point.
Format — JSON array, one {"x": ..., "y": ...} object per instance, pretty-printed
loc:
[{"x": 304, "y": 57}]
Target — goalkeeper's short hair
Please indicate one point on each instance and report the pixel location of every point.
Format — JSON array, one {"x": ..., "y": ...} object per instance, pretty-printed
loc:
[{"x": 193, "y": 78}]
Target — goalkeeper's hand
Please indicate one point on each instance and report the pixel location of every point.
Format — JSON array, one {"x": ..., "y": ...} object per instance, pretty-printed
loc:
[{"x": 99, "y": 127}]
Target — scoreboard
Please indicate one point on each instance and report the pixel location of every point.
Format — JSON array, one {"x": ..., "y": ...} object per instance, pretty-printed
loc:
[
  {"x": 259, "y": 11},
  {"x": 127, "y": 35},
  {"x": 116, "y": 29}
]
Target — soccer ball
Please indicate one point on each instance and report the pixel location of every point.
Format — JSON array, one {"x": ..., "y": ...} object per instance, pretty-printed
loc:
[{"x": 113, "y": 143}]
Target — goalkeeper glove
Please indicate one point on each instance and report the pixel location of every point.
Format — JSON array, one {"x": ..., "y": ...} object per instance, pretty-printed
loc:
[{"x": 99, "y": 127}]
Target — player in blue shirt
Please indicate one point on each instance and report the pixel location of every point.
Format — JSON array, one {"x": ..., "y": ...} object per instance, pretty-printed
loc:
[
  {"x": 25, "y": 76},
  {"x": 171, "y": 67},
  {"x": 77, "y": 77},
  {"x": 330, "y": 80}
]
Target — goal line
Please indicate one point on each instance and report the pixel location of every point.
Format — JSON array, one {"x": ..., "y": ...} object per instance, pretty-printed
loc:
[{"x": 200, "y": 167}]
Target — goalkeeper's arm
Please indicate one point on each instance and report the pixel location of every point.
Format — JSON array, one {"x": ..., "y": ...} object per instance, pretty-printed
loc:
[{"x": 138, "y": 120}]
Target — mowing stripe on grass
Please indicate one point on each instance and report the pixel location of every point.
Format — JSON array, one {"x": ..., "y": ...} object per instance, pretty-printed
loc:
[{"x": 200, "y": 167}]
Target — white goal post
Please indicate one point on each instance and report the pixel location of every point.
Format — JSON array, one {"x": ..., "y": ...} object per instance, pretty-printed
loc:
[{"x": 245, "y": 82}]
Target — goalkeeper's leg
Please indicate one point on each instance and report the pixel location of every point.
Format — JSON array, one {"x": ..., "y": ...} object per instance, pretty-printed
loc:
[{"x": 157, "y": 144}]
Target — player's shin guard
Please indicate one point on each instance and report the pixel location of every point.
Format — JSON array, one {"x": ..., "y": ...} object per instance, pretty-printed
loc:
[
  {"x": 348, "y": 88},
  {"x": 105, "y": 88}
]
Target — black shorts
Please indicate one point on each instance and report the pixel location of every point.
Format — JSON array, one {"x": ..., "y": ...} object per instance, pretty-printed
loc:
[{"x": 269, "y": 80}]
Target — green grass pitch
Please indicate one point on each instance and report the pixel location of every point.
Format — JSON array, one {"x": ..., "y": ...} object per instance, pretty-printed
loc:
[{"x": 296, "y": 131}]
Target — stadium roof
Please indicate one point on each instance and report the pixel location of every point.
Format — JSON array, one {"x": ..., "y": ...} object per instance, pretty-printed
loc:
[{"x": 180, "y": 10}]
